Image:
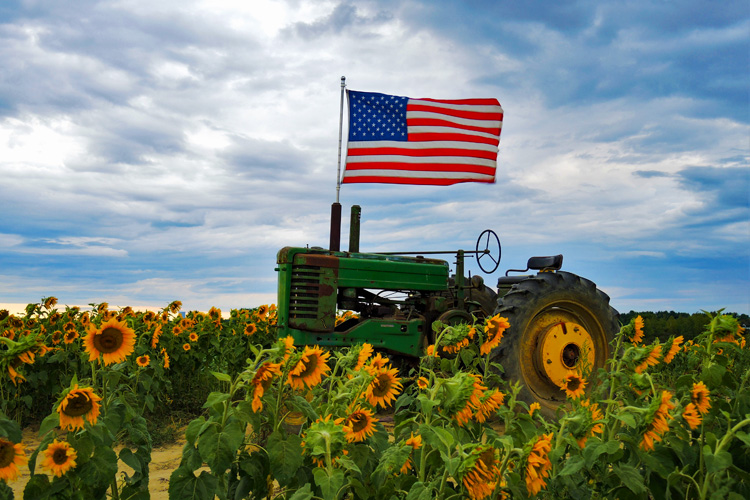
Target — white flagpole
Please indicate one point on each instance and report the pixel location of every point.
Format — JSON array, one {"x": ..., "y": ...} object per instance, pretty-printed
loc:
[{"x": 341, "y": 123}]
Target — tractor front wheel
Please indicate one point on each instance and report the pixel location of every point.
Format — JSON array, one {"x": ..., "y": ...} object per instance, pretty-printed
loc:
[{"x": 560, "y": 323}]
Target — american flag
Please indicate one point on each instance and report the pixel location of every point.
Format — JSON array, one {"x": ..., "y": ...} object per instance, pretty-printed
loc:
[{"x": 399, "y": 140}]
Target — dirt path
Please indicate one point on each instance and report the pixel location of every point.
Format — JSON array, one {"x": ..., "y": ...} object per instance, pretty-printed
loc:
[{"x": 164, "y": 460}]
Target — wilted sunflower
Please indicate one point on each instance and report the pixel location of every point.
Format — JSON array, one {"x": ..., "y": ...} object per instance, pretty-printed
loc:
[
  {"x": 691, "y": 416},
  {"x": 700, "y": 397},
  {"x": 595, "y": 417},
  {"x": 310, "y": 369},
  {"x": 384, "y": 388},
  {"x": 250, "y": 329},
  {"x": 77, "y": 405},
  {"x": 638, "y": 326},
  {"x": 50, "y": 302},
  {"x": 166, "y": 357},
  {"x": 674, "y": 349},
  {"x": 364, "y": 354},
  {"x": 493, "y": 330},
  {"x": 11, "y": 457},
  {"x": 659, "y": 423},
  {"x": 538, "y": 464},
  {"x": 287, "y": 343},
  {"x": 70, "y": 336},
  {"x": 59, "y": 458},
  {"x": 489, "y": 404},
  {"x": 155, "y": 336},
  {"x": 574, "y": 385},
  {"x": 360, "y": 425},
  {"x": 262, "y": 381},
  {"x": 651, "y": 360},
  {"x": 481, "y": 472},
  {"x": 114, "y": 341},
  {"x": 143, "y": 361}
]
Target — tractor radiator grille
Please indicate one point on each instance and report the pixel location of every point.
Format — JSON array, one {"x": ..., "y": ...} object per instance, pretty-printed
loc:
[{"x": 304, "y": 297}]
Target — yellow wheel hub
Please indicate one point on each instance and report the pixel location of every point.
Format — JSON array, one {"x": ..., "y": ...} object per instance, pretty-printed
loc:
[{"x": 563, "y": 347}]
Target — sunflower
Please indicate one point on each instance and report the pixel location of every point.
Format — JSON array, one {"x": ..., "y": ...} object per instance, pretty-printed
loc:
[
  {"x": 50, "y": 302},
  {"x": 674, "y": 349},
  {"x": 155, "y": 336},
  {"x": 166, "y": 358},
  {"x": 186, "y": 346},
  {"x": 533, "y": 408},
  {"x": 360, "y": 425},
  {"x": 377, "y": 363},
  {"x": 659, "y": 423},
  {"x": 431, "y": 351},
  {"x": 193, "y": 336},
  {"x": 482, "y": 472},
  {"x": 423, "y": 383},
  {"x": 692, "y": 416},
  {"x": 700, "y": 397},
  {"x": 414, "y": 441},
  {"x": 288, "y": 345},
  {"x": 250, "y": 329},
  {"x": 77, "y": 405},
  {"x": 538, "y": 464},
  {"x": 310, "y": 369},
  {"x": 384, "y": 388},
  {"x": 56, "y": 337},
  {"x": 11, "y": 457},
  {"x": 595, "y": 416},
  {"x": 214, "y": 313},
  {"x": 493, "y": 330},
  {"x": 573, "y": 385},
  {"x": 70, "y": 336},
  {"x": 489, "y": 404},
  {"x": 262, "y": 311},
  {"x": 143, "y": 361},
  {"x": 638, "y": 325},
  {"x": 262, "y": 381},
  {"x": 14, "y": 375},
  {"x": 59, "y": 458},
  {"x": 114, "y": 341},
  {"x": 364, "y": 354},
  {"x": 651, "y": 360},
  {"x": 176, "y": 330}
]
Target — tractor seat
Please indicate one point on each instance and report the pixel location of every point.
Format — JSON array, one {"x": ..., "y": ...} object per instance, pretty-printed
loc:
[{"x": 543, "y": 264}]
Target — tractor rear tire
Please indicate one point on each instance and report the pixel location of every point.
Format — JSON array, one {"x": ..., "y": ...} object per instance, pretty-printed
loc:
[{"x": 559, "y": 323}]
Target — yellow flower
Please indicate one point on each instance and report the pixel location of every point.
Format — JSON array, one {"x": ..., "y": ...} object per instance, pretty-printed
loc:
[
  {"x": 700, "y": 397},
  {"x": 659, "y": 423},
  {"x": 59, "y": 458},
  {"x": 691, "y": 416},
  {"x": 310, "y": 369},
  {"x": 384, "y": 388},
  {"x": 143, "y": 361},
  {"x": 423, "y": 383},
  {"x": 494, "y": 330},
  {"x": 155, "y": 336},
  {"x": 414, "y": 441},
  {"x": 534, "y": 407},
  {"x": 574, "y": 385},
  {"x": 70, "y": 336},
  {"x": 431, "y": 351},
  {"x": 638, "y": 330},
  {"x": 674, "y": 349},
  {"x": 186, "y": 347},
  {"x": 651, "y": 360},
  {"x": 11, "y": 457},
  {"x": 288, "y": 346},
  {"x": 481, "y": 475},
  {"x": 250, "y": 329},
  {"x": 359, "y": 425},
  {"x": 364, "y": 354},
  {"x": 114, "y": 341},
  {"x": 77, "y": 405},
  {"x": 50, "y": 302},
  {"x": 538, "y": 464},
  {"x": 262, "y": 311},
  {"x": 262, "y": 381},
  {"x": 193, "y": 336},
  {"x": 489, "y": 405},
  {"x": 166, "y": 357}
]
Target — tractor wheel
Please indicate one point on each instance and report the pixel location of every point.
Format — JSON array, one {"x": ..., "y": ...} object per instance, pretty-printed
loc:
[{"x": 559, "y": 323}]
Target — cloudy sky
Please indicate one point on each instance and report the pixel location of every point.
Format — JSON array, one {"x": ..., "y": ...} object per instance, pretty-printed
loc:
[{"x": 165, "y": 150}]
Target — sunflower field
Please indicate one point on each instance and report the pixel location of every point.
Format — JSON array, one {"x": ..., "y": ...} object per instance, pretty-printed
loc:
[{"x": 267, "y": 419}]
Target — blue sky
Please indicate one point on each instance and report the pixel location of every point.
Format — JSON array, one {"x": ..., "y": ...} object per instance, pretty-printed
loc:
[{"x": 159, "y": 151}]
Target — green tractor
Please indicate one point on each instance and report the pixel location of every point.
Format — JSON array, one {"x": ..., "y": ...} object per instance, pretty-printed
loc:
[{"x": 555, "y": 317}]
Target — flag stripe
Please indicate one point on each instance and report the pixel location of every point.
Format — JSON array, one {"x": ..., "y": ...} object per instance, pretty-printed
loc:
[
  {"x": 423, "y": 167},
  {"x": 421, "y": 141}
]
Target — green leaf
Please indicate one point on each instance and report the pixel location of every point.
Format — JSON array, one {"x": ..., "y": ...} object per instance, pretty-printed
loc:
[
  {"x": 304, "y": 493},
  {"x": 193, "y": 428},
  {"x": 438, "y": 438},
  {"x": 219, "y": 446},
  {"x": 573, "y": 465},
  {"x": 222, "y": 376},
  {"x": 50, "y": 422},
  {"x": 713, "y": 375},
  {"x": 215, "y": 398},
  {"x": 329, "y": 484},
  {"x": 11, "y": 430},
  {"x": 285, "y": 456},
  {"x": 101, "y": 469},
  {"x": 630, "y": 477},
  {"x": 183, "y": 484},
  {"x": 129, "y": 458},
  {"x": 420, "y": 491},
  {"x": 37, "y": 487},
  {"x": 718, "y": 462},
  {"x": 626, "y": 418}
]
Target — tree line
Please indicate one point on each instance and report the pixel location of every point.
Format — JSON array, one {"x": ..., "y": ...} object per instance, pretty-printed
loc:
[{"x": 663, "y": 324}]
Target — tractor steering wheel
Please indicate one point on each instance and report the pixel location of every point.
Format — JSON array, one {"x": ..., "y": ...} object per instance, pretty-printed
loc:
[{"x": 490, "y": 242}]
